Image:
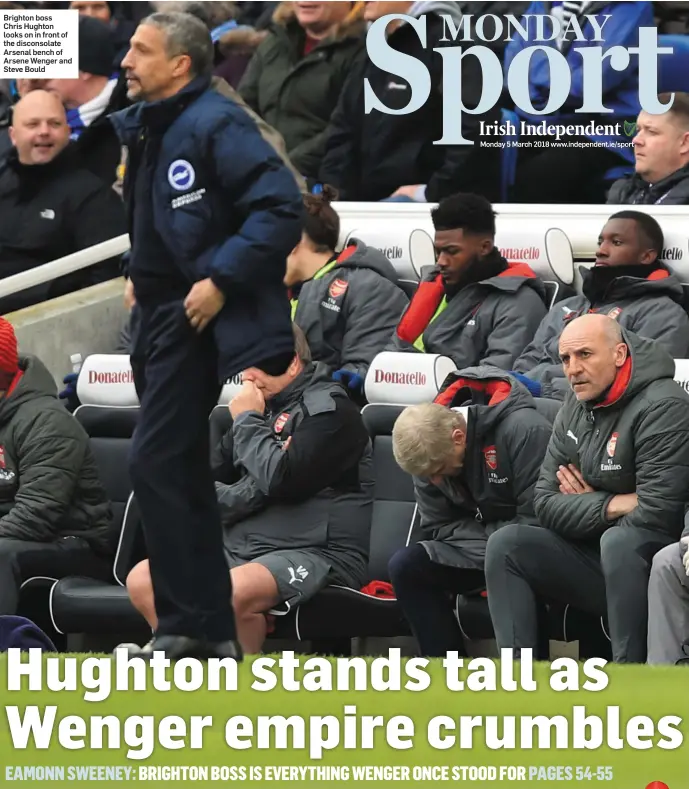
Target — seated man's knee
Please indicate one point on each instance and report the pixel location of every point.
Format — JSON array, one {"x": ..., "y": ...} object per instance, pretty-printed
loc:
[
  {"x": 507, "y": 541},
  {"x": 403, "y": 566},
  {"x": 668, "y": 561},
  {"x": 140, "y": 586},
  {"x": 254, "y": 589},
  {"x": 618, "y": 546}
]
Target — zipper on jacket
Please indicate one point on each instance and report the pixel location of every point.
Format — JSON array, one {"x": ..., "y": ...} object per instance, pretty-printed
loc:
[{"x": 479, "y": 515}]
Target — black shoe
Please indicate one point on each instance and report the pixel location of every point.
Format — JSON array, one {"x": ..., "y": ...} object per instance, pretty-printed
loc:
[
  {"x": 684, "y": 661},
  {"x": 178, "y": 647}
]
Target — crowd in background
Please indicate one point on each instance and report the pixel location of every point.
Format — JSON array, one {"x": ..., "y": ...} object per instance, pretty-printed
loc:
[{"x": 299, "y": 70}]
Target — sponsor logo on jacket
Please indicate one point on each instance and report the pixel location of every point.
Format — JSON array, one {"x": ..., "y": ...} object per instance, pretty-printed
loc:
[
  {"x": 608, "y": 464},
  {"x": 403, "y": 379},
  {"x": 117, "y": 377}
]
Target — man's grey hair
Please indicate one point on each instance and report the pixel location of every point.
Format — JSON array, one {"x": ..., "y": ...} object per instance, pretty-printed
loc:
[
  {"x": 422, "y": 438},
  {"x": 185, "y": 34}
]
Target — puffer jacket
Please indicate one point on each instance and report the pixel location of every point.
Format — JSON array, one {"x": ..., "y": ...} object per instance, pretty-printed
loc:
[
  {"x": 650, "y": 307},
  {"x": 49, "y": 482},
  {"x": 209, "y": 198},
  {"x": 634, "y": 440},
  {"x": 296, "y": 93},
  {"x": 634, "y": 190},
  {"x": 316, "y": 492},
  {"x": 350, "y": 307},
  {"x": 488, "y": 322},
  {"x": 506, "y": 440}
]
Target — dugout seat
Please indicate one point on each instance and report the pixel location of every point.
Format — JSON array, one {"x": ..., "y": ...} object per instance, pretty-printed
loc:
[{"x": 83, "y": 605}]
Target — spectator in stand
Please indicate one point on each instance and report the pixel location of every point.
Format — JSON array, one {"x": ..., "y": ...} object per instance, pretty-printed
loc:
[
  {"x": 296, "y": 76},
  {"x": 91, "y": 97},
  {"x": 376, "y": 156},
  {"x": 474, "y": 306},
  {"x": 628, "y": 284},
  {"x": 347, "y": 304},
  {"x": 50, "y": 205},
  {"x": 114, "y": 16},
  {"x": 668, "y": 604},
  {"x": 611, "y": 493},
  {"x": 295, "y": 491},
  {"x": 474, "y": 471},
  {"x": 568, "y": 172},
  {"x": 661, "y": 150},
  {"x": 55, "y": 518}
]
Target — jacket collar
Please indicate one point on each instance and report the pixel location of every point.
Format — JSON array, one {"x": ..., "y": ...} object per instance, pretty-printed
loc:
[{"x": 157, "y": 115}]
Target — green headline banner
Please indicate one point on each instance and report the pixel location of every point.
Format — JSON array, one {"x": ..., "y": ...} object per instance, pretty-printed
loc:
[{"x": 298, "y": 720}]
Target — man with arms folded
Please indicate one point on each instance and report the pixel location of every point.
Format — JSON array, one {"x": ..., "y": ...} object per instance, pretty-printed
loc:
[
  {"x": 628, "y": 284},
  {"x": 474, "y": 470},
  {"x": 611, "y": 493},
  {"x": 296, "y": 495}
]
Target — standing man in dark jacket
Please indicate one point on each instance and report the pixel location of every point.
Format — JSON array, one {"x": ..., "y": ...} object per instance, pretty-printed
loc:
[
  {"x": 372, "y": 156},
  {"x": 296, "y": 495},
  {"x": 347, "y": 303},
  {"x": 661, "y": 153},
  {"x": 474, "y": 470},
  {"x": 612, "y": 492},
  {"x": 213, "y": 215},
  {"x": 628, "y": 284},
  {"x": 474, "y": 306},
  {"x": 55, "y": 518}
]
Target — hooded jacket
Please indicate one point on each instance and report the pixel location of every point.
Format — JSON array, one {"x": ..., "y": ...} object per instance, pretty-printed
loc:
[
  {"x": 634, "y": 440},
  {"x": 488, "y": 322},
  {"x": 620, "y": 90},
  {"x": 634, "y": 190},
  {"x": 209, "y": 198},
  {"x": 316, "y": 493},
  {"x": 506, "y": 441},
  {"x": 650, "y": 307},
  {"x": 350, "y": 307},
  {"x": 296, "y": 93},
  {"x": 368, "y": 156},
  {"x": 49, "y": 482},
  {"x": 51, "y": 210}
]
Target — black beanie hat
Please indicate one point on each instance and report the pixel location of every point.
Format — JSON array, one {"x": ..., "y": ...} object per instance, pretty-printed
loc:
[{"x": 96, "y": 47}]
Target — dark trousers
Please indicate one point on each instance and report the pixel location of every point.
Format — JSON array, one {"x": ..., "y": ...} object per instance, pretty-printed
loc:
[
  {"x": 21, "y": 560},
  {"x": 175, "y": 373},
  {"x": 564, "y": 174},
  {"x": 426, "y": 592},
  {"x": 525, "y": 564}
]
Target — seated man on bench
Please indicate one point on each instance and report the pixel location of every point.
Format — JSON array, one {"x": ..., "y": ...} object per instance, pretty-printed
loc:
[{"x": 295, "y": 493}]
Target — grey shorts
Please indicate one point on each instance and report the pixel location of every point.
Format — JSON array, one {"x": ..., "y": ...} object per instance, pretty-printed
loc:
[{"x": 299, "y": 575}]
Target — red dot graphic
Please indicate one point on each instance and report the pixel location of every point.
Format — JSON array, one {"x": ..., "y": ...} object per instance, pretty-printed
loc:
[{"x": 657, "y": 785}]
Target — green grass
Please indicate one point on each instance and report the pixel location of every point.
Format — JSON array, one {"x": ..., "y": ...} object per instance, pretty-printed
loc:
[{"x": 636, "y": 690}]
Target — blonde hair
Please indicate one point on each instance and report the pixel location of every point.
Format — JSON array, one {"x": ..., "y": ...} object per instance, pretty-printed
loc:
[{"x": 422, "y": 438}]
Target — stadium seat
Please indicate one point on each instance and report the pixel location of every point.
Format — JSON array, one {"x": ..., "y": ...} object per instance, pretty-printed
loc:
[
  {"x": 343, "y": 613},
  {"x": 83, "y": 605},
  {"x": 106, "y": 379},
  {"x": 397, "y": 378}
]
